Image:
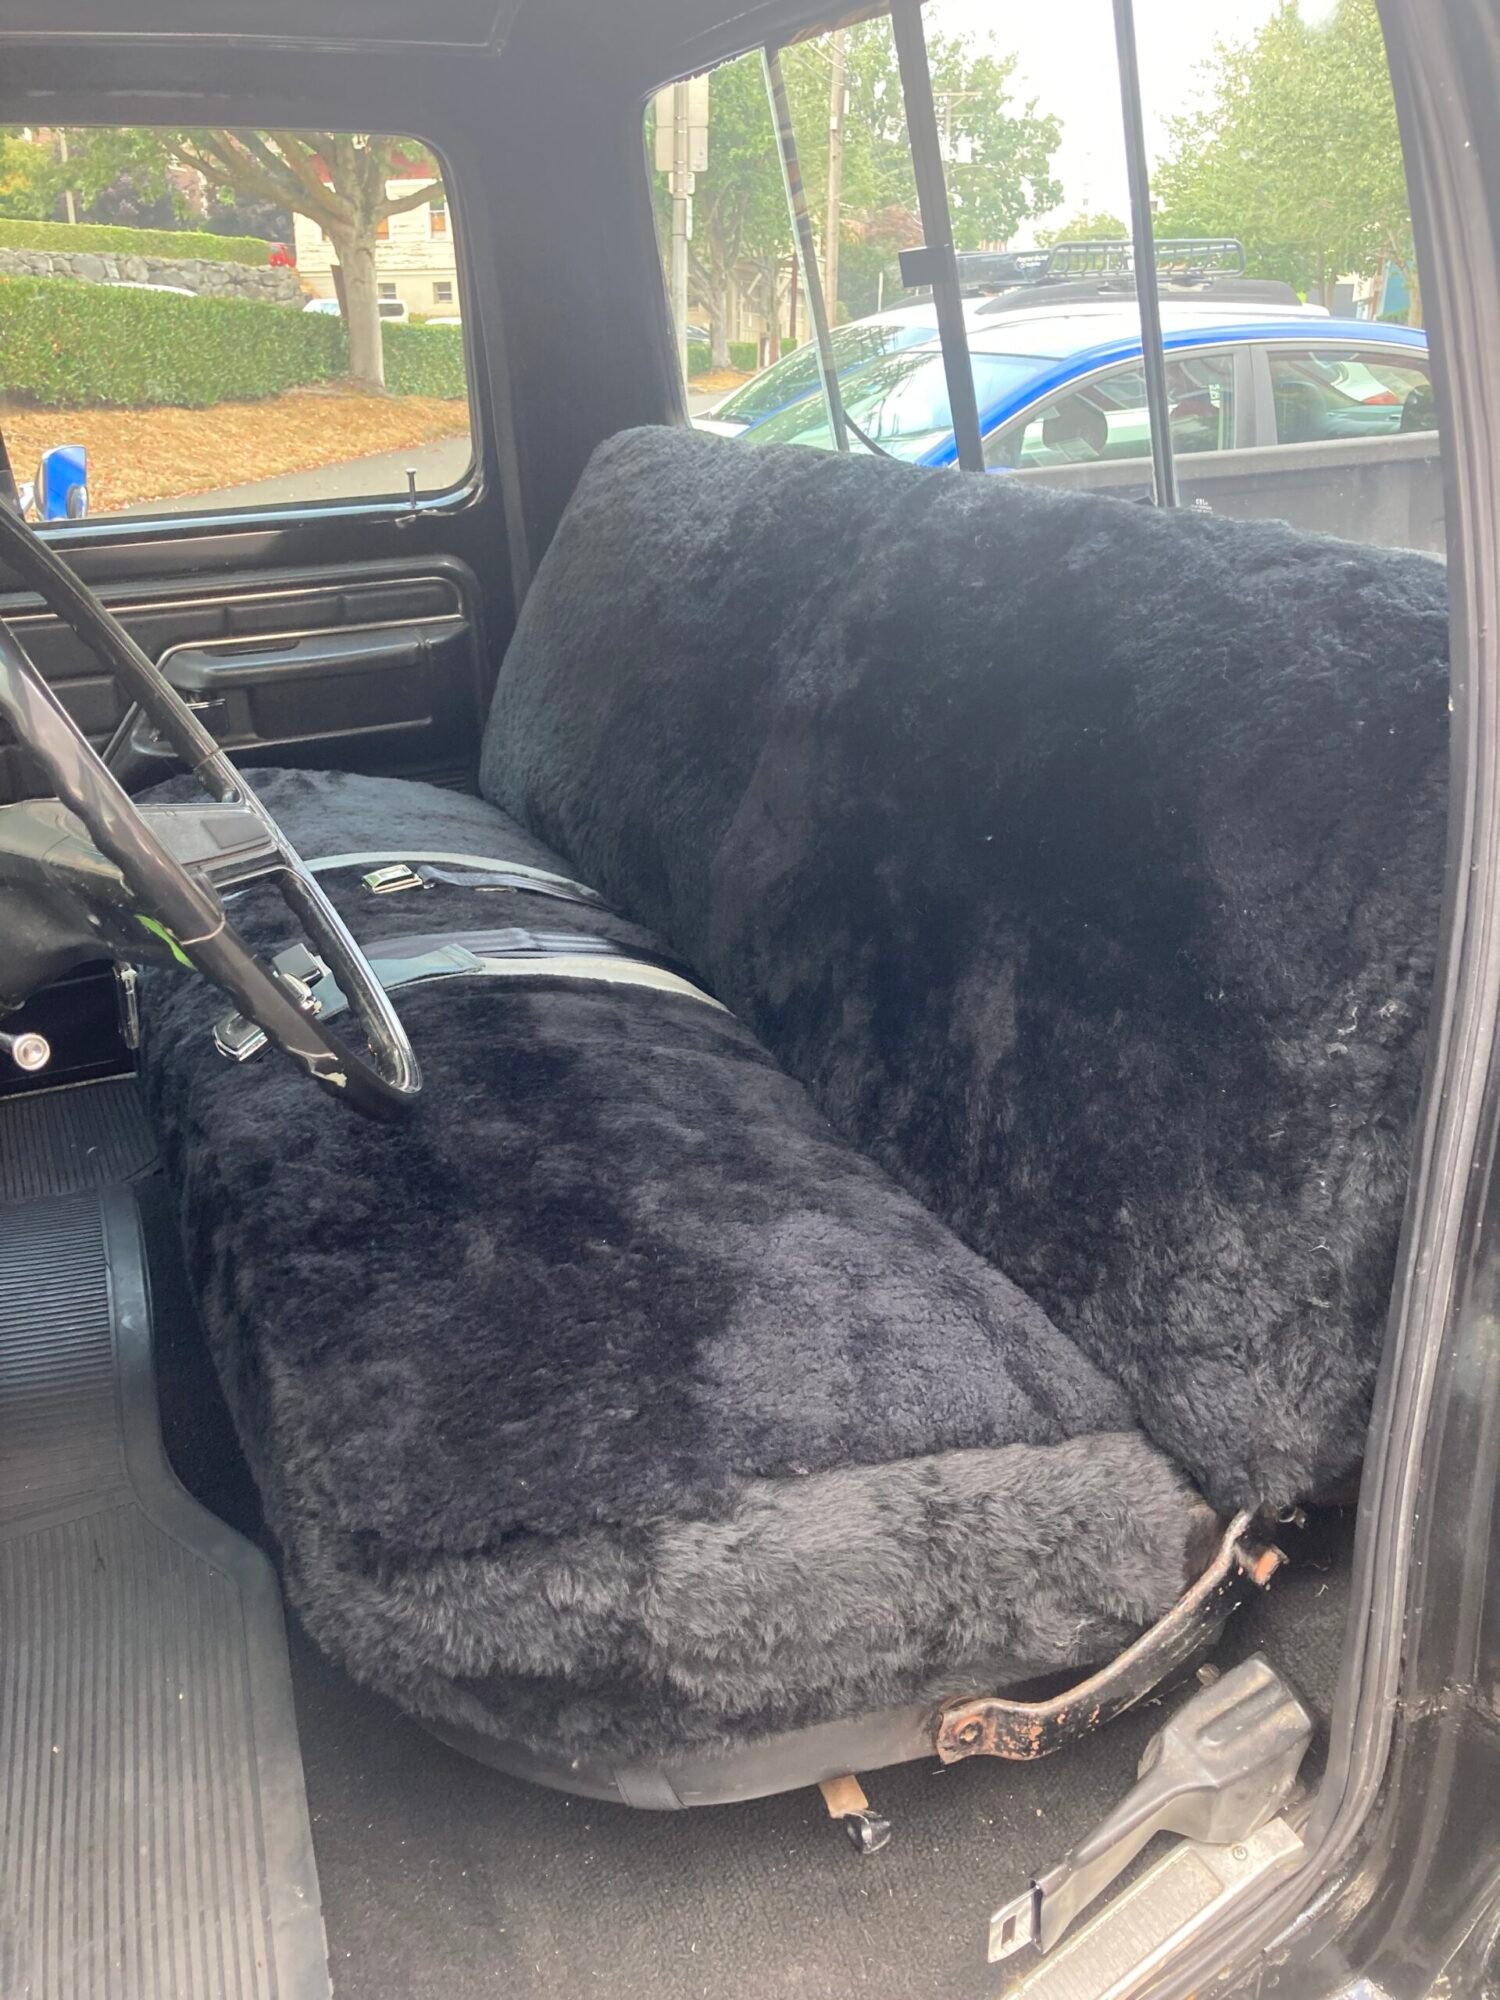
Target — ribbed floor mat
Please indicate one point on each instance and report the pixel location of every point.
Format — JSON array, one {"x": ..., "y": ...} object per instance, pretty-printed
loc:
[
  {"x": 90, "y": 1135},
  {"x": 154, "y": 1843}
]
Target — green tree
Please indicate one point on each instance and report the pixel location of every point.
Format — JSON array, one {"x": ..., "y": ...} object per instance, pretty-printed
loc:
[
  {"x": 998, "y": 153},
  {"x": 1297, "y": 153},
  {"x": 339, "y": 180},
  {"x": 23, "y": 165},
  {"x": 1086, "y": 227}
]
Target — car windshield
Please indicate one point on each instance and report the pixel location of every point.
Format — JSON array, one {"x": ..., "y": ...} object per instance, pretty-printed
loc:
[
  {"x": 900, "y": 403},
  {"x": 796, "y": 375}
]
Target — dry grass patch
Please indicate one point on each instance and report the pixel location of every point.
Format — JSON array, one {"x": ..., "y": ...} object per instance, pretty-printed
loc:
[{"x": 168, "y": 454}]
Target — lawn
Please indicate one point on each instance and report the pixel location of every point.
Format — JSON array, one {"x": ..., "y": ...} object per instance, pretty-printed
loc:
[{"x": 166, "y": 454}]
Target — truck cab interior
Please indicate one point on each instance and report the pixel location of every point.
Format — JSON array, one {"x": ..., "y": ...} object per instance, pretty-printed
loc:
[{"x": 739, "y": 1146}]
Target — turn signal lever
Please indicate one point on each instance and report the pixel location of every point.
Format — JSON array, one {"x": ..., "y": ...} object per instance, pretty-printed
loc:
[
  {"x": 28, "y": 1050},
  {"x": 1222, "y": 1767}
]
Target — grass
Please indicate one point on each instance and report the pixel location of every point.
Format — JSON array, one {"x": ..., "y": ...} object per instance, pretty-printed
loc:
[{"x": 138, "y": 456}]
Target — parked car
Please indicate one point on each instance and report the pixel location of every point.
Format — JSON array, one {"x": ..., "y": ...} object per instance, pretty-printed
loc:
[
  {"x": 795, "y": 377},
  {"x": 1062, "y": 389},
  {"x": 389, "y": 308},
  {"x": 141, "y": 285}
]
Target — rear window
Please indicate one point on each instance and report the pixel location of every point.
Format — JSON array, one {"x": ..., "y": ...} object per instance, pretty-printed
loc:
[{"x": 262, "y": 342}]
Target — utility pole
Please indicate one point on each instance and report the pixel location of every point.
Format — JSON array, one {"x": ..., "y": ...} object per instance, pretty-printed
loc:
[
  {"x": 62, "y": 154},
  {"x": 681, "y": 154},
  {"x": 682, "y": 220},
  {"x": 832, "y": 228}
]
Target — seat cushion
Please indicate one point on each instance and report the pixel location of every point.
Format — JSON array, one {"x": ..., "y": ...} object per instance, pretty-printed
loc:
[
  {"x": 611, "y": 1402},
  {"x": 1083, "y": 860}
]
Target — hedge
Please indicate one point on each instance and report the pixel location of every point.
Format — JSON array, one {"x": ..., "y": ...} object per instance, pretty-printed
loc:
[
  {"x": 420, "y": 360},
  {"x": 743, "y": 354},
  {"x": 133, "y": 242},
  {"x": 69, "y": 346}
]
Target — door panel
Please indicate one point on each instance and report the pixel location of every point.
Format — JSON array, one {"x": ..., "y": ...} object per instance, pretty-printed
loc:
[{"x": 376, "y": 667}]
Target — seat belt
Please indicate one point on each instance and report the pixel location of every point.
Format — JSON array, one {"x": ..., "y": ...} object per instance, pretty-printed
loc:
[
  {"x": 507, "y": 954},
  {"x": 387, "y": 873}
]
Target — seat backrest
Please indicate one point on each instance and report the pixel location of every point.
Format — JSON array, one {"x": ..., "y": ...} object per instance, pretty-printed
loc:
[{"x": 1083, "y": 860}]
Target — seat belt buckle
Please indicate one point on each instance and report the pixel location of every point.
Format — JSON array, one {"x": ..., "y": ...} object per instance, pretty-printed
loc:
[{"x": 388, "y": 881}]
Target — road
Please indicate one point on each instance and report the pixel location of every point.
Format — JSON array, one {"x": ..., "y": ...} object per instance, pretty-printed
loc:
[{"x": 438, "y": 466}]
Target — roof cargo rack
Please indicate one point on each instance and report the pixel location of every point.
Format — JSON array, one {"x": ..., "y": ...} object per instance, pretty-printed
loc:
[{"x": 1108, "y": 262}]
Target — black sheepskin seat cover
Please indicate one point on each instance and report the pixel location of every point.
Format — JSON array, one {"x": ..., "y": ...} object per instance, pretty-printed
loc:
[
  {"x": 612, "y": 1404},
  {"x": 1083, "y": 861}
]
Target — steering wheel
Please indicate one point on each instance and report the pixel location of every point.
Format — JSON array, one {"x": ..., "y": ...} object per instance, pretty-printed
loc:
[{"x": 160, "y": 900}]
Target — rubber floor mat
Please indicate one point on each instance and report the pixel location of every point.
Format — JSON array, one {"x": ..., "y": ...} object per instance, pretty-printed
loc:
[
  {"x": 88, "y": 1135},
  {"x": 154, "y": 1843}
]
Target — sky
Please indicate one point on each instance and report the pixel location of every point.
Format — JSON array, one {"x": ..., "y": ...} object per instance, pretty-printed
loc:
[{"x": 1067, "y": 62}]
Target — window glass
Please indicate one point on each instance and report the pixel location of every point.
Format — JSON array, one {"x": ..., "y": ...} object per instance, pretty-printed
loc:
[
  {"x": 796, "y": 375},
  {"x": 196, "y": 320},
  {"x": 901, "y": 405},
  {"x": 1107, "y": 418},
  {"x": 1325, "y": 393},
  {"x": 737, "y": 293}
]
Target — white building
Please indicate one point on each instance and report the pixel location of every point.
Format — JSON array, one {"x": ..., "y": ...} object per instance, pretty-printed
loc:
[{"x": 414, "y": 256}]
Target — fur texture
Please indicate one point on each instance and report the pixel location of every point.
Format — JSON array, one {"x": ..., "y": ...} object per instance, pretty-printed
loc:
[
  {"x": 611, "y": 1400},
  {"x": 1083, "y": 861}
]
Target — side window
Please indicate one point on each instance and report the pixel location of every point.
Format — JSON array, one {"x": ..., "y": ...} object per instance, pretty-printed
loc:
[
  {"x": 1327, "y": 393},
  {"x": 261, "y": 344},
  {"x": 1107, "y": 417}
]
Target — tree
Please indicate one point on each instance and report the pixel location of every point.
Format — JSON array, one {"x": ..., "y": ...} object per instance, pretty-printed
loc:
[
  {"x": 999, "y": 160},
  {"x": 998, "y": 154},
  {"x": 1086, "y": 228},
  {"x": 1297, "y": 152},
  {"x": 339, "y": 180}
]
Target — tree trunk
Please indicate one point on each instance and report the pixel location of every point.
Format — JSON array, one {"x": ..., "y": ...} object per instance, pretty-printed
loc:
[
  {"x": 718, "y": 321},
  {"x": 361, "y": 302}
]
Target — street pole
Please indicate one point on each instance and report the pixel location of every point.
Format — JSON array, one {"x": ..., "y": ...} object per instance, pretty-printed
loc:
[
  {"x": 62, "y": 153},
  {"x": 682, "y": 185},
  {"x": 833, "y": 226}
]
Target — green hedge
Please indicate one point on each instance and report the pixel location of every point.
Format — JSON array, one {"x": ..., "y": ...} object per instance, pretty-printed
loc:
[
  {"x": 743, "y": 354},
  {"x": 132, "y": 242},
  {"x": 421, "y": 360},
  {"x": 70, "y": 346}
]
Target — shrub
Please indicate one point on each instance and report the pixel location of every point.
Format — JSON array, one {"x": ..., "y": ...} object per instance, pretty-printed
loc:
[
  {"x": 422, "y": 360},
  {"x": 743, "y": 354},
  {"x": 70, "y": 346},
  {"x": 16, "y": 235}
]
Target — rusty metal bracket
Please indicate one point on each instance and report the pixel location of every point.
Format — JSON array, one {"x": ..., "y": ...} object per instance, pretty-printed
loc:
[{"x": 987, "y": 1726}]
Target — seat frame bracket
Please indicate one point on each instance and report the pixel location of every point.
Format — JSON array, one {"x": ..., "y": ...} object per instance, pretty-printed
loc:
[{"x": 1021, "y": 1731}]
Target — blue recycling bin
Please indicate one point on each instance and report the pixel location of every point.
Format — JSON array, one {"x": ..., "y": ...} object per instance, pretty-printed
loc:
[{"x": 62, "y": 483}]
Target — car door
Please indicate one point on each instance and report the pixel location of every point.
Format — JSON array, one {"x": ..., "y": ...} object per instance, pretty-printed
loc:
[
  {"x": 318, "y": 561},
  {"x": 1349, "y": 444}
]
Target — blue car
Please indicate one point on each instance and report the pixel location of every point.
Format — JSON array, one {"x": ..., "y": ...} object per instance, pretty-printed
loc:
[{"x": 1065, "y": 387}]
